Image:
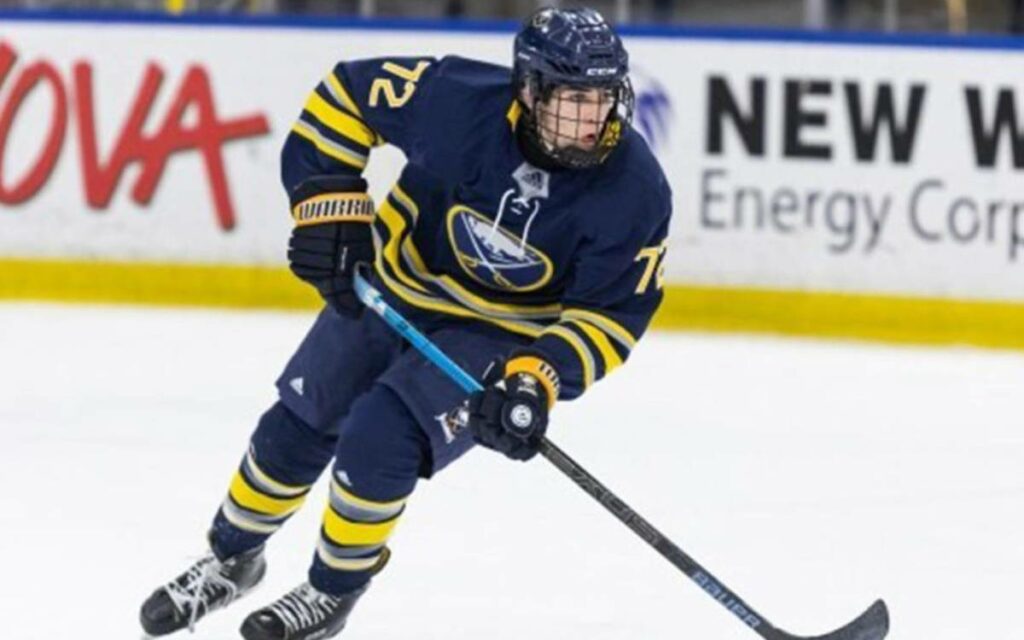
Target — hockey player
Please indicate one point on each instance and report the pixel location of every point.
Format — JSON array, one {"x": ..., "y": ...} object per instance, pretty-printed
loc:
[{"x": 524, "y": 236}]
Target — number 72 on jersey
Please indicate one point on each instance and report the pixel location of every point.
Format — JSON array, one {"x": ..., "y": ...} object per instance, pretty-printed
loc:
[
  {"x": 386, "y": 86},
  {"x": 654, "y": 267}
]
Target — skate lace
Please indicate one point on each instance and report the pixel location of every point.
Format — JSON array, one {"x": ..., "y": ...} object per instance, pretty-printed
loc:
[
  {"x": 304, "y": 607},
  {"x": 201, "y": 584}
]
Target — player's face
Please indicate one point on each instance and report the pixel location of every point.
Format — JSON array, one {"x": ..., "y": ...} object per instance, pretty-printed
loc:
[{"x": 574, "y": 117}]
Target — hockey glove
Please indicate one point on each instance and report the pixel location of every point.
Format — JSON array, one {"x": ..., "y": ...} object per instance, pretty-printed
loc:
[
  {"x": 510, "y": 415},
  {"x": 332, "y": 234}
]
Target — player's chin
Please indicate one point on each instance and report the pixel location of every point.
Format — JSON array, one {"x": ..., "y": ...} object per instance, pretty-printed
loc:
[{"x": 583, "y": 144}]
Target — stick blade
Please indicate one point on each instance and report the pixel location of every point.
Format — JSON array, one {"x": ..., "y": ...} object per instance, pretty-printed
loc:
[{"x": 873, "y": 624}]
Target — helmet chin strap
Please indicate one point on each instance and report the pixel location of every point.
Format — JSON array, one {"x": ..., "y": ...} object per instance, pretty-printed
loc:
[{"x": 533, "y": 148}]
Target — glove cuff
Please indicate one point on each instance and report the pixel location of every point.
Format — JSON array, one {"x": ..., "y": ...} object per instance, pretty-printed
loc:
[
  {"x": 334, "y": 207},
  {"x": 539, "y": 369}
]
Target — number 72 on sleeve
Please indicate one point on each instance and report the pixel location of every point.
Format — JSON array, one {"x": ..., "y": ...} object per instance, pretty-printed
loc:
[{"x": 385, "y": 86}]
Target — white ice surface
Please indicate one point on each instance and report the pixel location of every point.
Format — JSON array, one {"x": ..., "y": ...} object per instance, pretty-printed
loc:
[{"x": 809, "y": 477}]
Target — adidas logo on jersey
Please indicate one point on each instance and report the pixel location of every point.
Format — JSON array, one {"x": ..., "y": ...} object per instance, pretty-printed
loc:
[{"x": 532, "y": 182}]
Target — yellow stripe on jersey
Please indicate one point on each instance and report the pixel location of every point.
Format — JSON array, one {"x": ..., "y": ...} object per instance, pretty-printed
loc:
[
  {"x": 397, "y": 229},
  {"x": 346, "y": 100},
  {"x": 406, "y": 201},
  {"x": 580, "y": 348},
  {"x": 611, "y": 357},
  {"x": 339, "y": 121},
  {"x": 250, "y": 498},
  {"x": 328, "y": 148},
  {"x": 433, "y": 303},
  {"x": 344, "y": 532},
  {"x": 609, "y": 326}
]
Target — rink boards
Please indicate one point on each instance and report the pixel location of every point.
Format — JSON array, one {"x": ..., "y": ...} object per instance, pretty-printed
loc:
[{"x": 851, "y": 186}]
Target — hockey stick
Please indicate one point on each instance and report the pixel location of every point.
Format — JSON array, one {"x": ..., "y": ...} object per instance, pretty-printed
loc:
[{"x": 873, "y": 624}]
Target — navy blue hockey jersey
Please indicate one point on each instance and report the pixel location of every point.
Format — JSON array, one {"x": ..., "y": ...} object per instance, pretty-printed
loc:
[{"x": 571, "y": 259}]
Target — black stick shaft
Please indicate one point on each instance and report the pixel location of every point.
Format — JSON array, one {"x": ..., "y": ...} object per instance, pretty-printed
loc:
[{"x": 645, "y": 530}]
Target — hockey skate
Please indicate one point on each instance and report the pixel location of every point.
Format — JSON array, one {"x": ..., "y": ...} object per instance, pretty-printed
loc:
[
  {"x": 206, "y": 586},
  {"x": 301, "y": 614}
]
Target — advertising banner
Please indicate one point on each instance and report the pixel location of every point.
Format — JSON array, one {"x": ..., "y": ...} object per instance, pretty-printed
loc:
[{"x": 867, "y": 169}]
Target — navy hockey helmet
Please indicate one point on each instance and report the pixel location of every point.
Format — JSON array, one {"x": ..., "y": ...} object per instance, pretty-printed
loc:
[{"x": 573, "y": 52}]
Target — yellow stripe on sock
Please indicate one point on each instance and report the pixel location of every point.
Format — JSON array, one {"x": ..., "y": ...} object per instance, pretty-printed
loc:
[
  {"x": 369, "y": 505},
  {"x": 240, "y": 521},
  {"x": 344, "y": 532},
  {"x": 346, "y": 564},
  {"x": 278, "y": 487},
  {"x": 248, "y": 497}
]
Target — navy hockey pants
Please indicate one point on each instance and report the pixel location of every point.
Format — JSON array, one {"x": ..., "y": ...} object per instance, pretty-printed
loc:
[{"x": 353, "y": 392}]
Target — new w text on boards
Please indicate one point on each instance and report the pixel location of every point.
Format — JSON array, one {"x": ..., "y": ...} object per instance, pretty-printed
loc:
[{"x": 826, "y": 135}]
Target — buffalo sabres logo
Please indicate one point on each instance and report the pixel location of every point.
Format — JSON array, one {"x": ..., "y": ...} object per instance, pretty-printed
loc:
[{"x": 493, "y": 255}]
